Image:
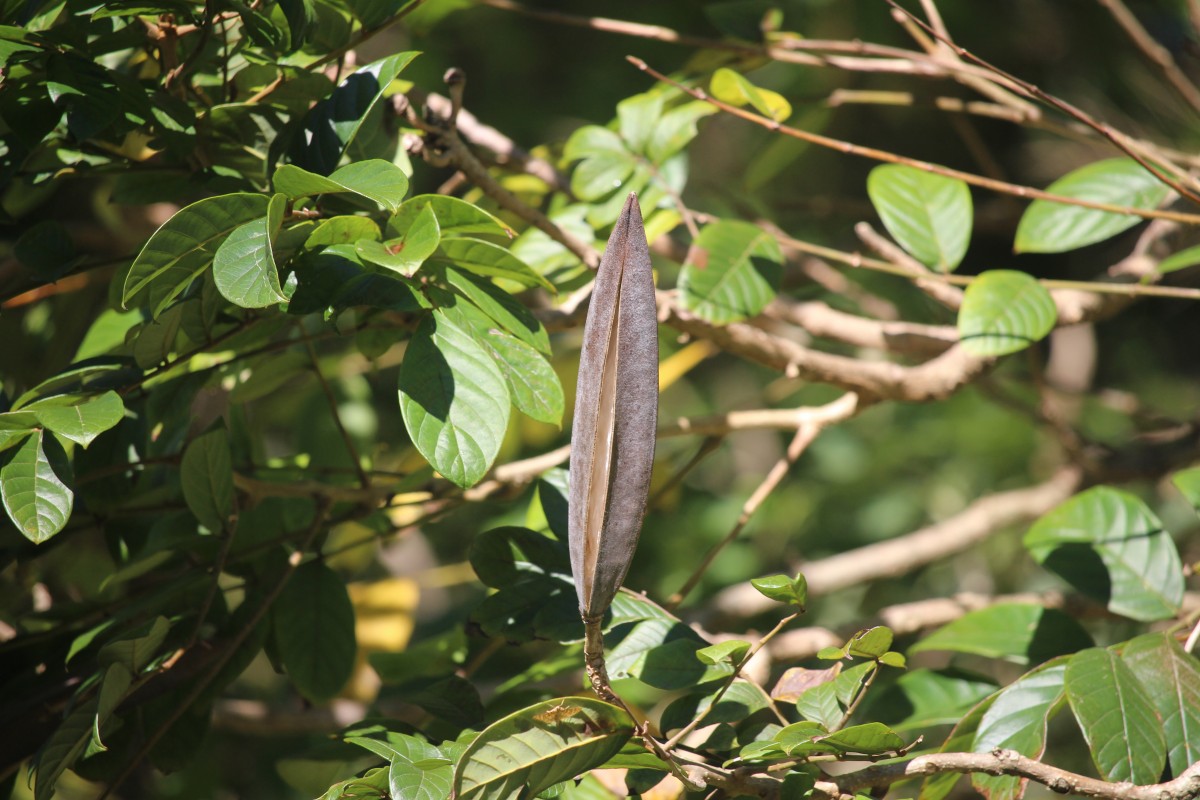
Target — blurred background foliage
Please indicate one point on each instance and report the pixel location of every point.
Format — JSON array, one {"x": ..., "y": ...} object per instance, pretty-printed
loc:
[{"x": 890, "y": 470}]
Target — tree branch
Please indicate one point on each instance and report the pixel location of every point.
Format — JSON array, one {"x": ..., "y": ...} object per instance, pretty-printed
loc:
[{"x": 899, "y": 556}]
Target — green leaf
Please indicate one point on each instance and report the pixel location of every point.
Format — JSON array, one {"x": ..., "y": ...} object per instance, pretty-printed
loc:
[
  {"x": 782, "y": 588},
  {"x": 870, "y": 643},
  {"x": 375, "y": 179},
  {"x": 500, "y": 306},
  {"x": 500, "y": 555},
  {"x": 406, "y": 254},
  {"x": 530, "y": 751},
  {"x": 675, "y": 129},
  {"x": 826, "y": 703},
  {"x": 342, "y": 230},
  {"x": 638, "y": 117},
  {"x": 206, "y": 475},
  {"x": 455, "y": 217},
  {"x": 731, "y": 651},
  {"x": 871, "y": 738},
  {"x": 1016, "y": 720},
  {"x": 184, "y": 247},
  {"x": 135, "y": 650},
  {"x": 1172, "y": 678},
  {"x": 929, "y": 215},
  {"x": 36, "y": 499},
  {"x": 157, "y": 337},
  {"x": 660, "y": 653},
  {"x": 1109, "y": 544},
  {"x": 487, "y": 259},
  {"x": 1023, "y": 633},
  {"x": 741, "y": 275},
  {"x": 1117, "y": 716},
  {"x": 741, "y": 701},
  {"x": 1181, "y": 260},
  {"x": 939, "y": 697},
  {"x": 313, "y": 621},
  {"x": 1049, "y": 227},
  {"x": 1004, "y": 311},
  {"x": 961, "y": 738},
  {"x": 80, "y": 419},
  {"x": 454, "y": 400},
  {"x": 413, "y": 774},
  {"x": 733, "y": 88},
  {"x": 333, "y": 124},
  {"x": 1188, "y": 483},
  {"x": 606, "y": 163},
  {"x": 244, "y": 266},
  {"x": 532, "y": 383}
]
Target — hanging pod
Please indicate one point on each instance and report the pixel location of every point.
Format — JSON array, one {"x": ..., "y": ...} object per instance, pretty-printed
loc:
[{"x": 616, "y": 413}]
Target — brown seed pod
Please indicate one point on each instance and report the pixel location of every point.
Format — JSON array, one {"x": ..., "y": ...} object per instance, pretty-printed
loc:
[{"x": 616, "y": 413}]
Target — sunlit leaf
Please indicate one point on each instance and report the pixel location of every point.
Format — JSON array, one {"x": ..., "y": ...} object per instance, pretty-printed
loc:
[
  {"x": 1024, "y": 633},
  {"x": 80, "y": 419},
  {"x": 740, "y": 277},
  {"x": 1172, "y": 679},
  {"x": 1049, "y": 227},
  {"x": 929, "y": 215},
  {"x": 1117, "y": 715},
  {"x": 35, "y": 497},
  {"x": 184, "y": 247},
  {"x": 454, "y": 400},
  {"x": 735, "y": 89},
  {"x": 1004, "y": 311},
  {"x": 244, "y": 266},
  {"x": 539, "y": 746},
  {"x": 1111, "y": 546},
  {"x": 373, "y": 178}
]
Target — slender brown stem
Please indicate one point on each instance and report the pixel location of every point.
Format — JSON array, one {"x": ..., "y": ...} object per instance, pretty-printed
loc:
[
  {"x": 363, "y": 479},
  {"x": 1003, "y": 187},
  {"x": 1155, "y": 52}
]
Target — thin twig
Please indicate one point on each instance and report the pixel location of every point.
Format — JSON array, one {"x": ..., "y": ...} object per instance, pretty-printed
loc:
[
  {"x": 674, "y": 741},
  {"x": 1155, "y": 52},
  {"x": 363, "y": 479},
  {"x": 806, "y": 431},
  {"x": 1120, "y": 140},
  {"x": 1027, "y": 192}
]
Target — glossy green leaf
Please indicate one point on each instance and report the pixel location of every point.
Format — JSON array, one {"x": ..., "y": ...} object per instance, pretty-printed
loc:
[
  {"x": 406, "y": 254},
  {"x": 419, "y": 771},
  {"x": 454, "y": 400},
  {"x": 939, "y": 697},
  {"x": 730, "y": 650},
  {"x": 332, "y": 125},
  {"x": 1048, "y": 227},
  {"x": 487, "y": 259},
  {"x": 206, "y": 475},
  {"x": 871, "y": 738},
  {"x": 244, "y": 266},
  {"x": 455, "y": 217},
  {"x": 929, "y": 215},
  {"x": 1023, "y": 633},
  {"x": 375, "y": 179},
  {"x": 1172, "y": 679},
  {"x": 184, "y": 247},
  {"x": 676, "y": 129},
  {"x": 638, "y": 118},
  {"x": 1004, "y": 311},
  {"x": 80, "y": 419},
  {"x": 313, "y": 621},
  {"x": 35, "y": 497},
  {"x": 826, "y": 703},
  {"x": 1188, "y": 482},
  {"x": 342, "y": 230},
  {"x": 137, "y": 649},
  {"x": 660, "y": 653},
  {"x": 1016, "y": 720},
  {"x": 733, "y": 88},
  {"x": 740, "y": 277},
  {"x": 15, "y": 426},
  {"x": 1110, "y": 545},
  {"x": 1117, "y": 716},
  {"x": 605, "y": 164},
  {"x": 501, "y": 308},
  {"x": 532, "y": 383},
  {"x": 782, "y": 588},
  {"x": 539, "y": 746},
  {"x": 1180, "y": 260},
  {"x": 937, "y": 787}
]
